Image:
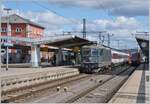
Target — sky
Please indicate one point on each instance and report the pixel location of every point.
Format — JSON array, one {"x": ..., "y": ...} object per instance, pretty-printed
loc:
[{"x": 118, "y": 17}]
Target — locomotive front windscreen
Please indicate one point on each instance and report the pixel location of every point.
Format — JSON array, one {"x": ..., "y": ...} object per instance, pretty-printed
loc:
[
  {"x": 90, "y": 55},
  {"x": 86, "y": 52},
  {"x": 94, "y": 52}
]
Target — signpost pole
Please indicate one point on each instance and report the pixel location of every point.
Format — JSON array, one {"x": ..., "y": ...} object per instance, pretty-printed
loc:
[{"x": 7, "y": 53}]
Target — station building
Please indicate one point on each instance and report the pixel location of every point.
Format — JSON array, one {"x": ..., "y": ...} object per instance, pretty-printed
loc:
[
  {"x": 21, "y": 28},
  {"x": 30, "y": 46}
]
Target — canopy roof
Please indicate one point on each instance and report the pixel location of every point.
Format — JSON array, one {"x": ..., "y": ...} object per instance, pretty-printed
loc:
[{"x": 68, "y": 41}]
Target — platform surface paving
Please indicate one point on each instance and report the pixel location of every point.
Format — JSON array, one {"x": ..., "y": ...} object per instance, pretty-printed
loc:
[
  {"x": 22, "y": 77},
  {"x": 21, "y": 71},
  {"x": 135, "y": 89}
]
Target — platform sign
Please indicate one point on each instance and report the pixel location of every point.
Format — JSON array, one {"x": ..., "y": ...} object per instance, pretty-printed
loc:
[
  {"x": 76, "y": 49},
  {"x": 45, "y": 49}
]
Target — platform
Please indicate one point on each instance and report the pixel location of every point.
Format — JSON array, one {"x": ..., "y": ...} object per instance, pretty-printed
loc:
[
  {"x": 20, "y": 71},
  {"x": 136, "y": 88},
  {"x": 19, "y": 77}
]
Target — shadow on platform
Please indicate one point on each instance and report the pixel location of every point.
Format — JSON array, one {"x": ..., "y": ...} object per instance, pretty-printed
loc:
[{"x": 141, "y": 93}]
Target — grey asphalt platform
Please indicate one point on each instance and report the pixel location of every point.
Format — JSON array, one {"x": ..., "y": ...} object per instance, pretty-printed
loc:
[{"x": 136, "y": 88}]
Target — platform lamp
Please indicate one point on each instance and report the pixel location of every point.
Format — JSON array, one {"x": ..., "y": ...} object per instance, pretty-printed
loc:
[{"x": 7, "y": 55}]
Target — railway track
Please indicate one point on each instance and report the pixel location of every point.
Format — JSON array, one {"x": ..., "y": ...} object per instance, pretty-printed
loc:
[
  {"x": 29, "y": 92},
  {"x": 106, "y": 89},
  {"x": 76, "y": 91},
  {"x": 23, "y": 92}
]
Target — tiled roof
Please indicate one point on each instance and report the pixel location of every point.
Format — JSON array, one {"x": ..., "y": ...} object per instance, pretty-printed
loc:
[{"x": 14, "y": 18}]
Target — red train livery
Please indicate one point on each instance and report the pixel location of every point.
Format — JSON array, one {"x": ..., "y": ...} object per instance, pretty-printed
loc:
[{"x": 134, "y": 59}]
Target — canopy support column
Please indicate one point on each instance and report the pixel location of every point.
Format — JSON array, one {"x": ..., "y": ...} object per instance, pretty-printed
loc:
[{"x": 35, "y": 55}]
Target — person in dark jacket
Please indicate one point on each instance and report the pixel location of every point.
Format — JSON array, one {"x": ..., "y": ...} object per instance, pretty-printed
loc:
[{"x": 54, "y": 60}]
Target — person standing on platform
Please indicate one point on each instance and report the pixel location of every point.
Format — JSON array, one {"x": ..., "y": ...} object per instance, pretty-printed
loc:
[{"x": 54, "y": 60}]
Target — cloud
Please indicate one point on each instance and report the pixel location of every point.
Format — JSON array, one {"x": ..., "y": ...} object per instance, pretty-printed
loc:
[
  {"x": 120, "y": 23},
  {"x": 128, "y": 8},
  {"x": 121, "y": 26},
  {"x": 53, "y": 23}
]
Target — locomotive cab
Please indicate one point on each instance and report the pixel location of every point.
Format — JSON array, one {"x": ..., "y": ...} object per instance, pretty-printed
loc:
[{"x": 95, "y": 58}]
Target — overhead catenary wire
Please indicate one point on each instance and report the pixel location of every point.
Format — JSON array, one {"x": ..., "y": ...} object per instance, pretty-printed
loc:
[
  {"x": 54, "y": 12},
  {"x": 105, "y": 10},
  {"x": 88, "y": 32},
  {"x": 101, "y": 5},
  {"x": 43, "y": 6}
]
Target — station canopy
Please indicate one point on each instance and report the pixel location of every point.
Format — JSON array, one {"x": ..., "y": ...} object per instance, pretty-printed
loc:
[
  {"x": 143, "y": 41},
  {"x": 67, "y": 41}
]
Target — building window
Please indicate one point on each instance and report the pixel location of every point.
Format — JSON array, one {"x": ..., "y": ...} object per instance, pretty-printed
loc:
[
  {"x": 18, "y": 29},
  {"x": 3, "y": 40},
  {"x": 4, "y": 29}
]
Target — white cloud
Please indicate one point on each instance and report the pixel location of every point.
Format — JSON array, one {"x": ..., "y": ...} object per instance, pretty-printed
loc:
[
  {"x": 121, "y": 26},
  {"x": 127, "y": 8},
  {"x": 53, "y": 23}
]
